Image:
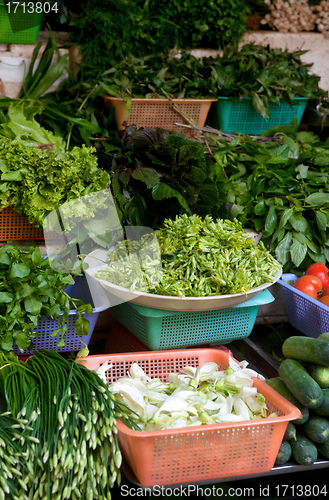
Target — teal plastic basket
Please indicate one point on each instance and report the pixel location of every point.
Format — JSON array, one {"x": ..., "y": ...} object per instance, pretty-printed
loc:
[
  {"x": 242, "y": 118},
  {"x": 159, "y": 329},
  {"x": 26, "y": 24}
]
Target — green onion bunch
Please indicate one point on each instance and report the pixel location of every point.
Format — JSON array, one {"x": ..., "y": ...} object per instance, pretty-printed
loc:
[{"x": 59, "y": 440}]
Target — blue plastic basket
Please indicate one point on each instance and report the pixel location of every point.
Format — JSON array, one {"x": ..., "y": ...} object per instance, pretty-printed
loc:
[
  {"x": 242, "y": 118},
  {"x": 46, "y": 325},
  {"x": 159, "y": 329},
  {"x": 307, "y": 315}
]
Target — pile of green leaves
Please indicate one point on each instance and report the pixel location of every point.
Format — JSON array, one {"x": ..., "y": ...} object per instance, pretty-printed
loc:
[
  {"x": 108, "y": 30},
  {"x": 264, "y": 74},
  {"x": 156, "y": 175},
  {"x": 200, "y": 257},
  {"x": 281, "y": 188},
  {"x": 35, "y": 182},
  {"x": 30, "y": 288}
]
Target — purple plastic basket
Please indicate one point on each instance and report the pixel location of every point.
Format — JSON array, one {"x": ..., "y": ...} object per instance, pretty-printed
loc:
[
  {"x": 307, "y": 315},
  {"x": 46, "y": 325}
]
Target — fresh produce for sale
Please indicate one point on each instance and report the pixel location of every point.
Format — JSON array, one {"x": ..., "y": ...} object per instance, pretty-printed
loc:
[
  {"x": 58, "y": 435},
  {"x": 31, "y": 288},
  {"x": 323, "y": 409},
  {"x": 200, "y": 257},
  {"x": 194, "y": 396},
  {"x": 290, "y": 432},
  {"x": 313, "y": 350},
  {"x": 323, "y": 448},
  {"x": 303, "y": 450},
  {"x": 34, "y": 182},
  {"x": 310, "y": 285},
  {"x": 321, "y": 271},
  {"x": 317, "y": 429},
  {"x": 278, "y": 385},
  {"x": 300, "y": 383},
  {"x": 320, "y": 374},
  {"x": 284, "y": 453}
]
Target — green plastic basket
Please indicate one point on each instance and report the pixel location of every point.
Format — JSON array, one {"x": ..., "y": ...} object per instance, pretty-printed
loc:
[
  {"x": 242, "y": 118},
  {"x": 26, "y": 25},
  {"x": 159, "y": 329}
]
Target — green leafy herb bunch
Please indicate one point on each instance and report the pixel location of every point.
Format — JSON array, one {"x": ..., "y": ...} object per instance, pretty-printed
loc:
[{"x": 30, "y": 288}]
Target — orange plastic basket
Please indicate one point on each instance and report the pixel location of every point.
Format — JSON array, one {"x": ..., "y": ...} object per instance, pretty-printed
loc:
[
  {"x": 197, "y": 453},
  {"x": 16, "y": 227},
  {"x": 159, "y": 112}
]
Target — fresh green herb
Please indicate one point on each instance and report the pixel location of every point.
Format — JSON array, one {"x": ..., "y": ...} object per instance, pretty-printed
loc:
[
  {"x": 264, "y": 74},
  {"x": 108, "y": 30},
  {"x": 62, "y": 417},
  {"x": 31, "y": 288},
  {"x": 150, "y": 167},
  {"x": 281, "y": 188},
  {"x": 200, "y": 257},
  {"x": 35, "y": 182}
]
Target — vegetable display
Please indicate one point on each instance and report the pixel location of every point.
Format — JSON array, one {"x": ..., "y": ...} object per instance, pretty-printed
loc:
[
  {"x": 305, "y": 356},
  {"x": 279, "y": 187},
  {"x": 35, "y": 182},
  {"x": 30, "y": 288},
  {"x": 58, "y": 434},
  {"x": 200, "y": 257},
  {"x": 150, "y": 167},
  {"x": 194, "y": 396}
]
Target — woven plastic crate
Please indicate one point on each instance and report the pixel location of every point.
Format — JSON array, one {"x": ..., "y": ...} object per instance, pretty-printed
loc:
[
  {"x": 307, "y": 315},
  {"x": 26, "y": 25},
  {"x": 46, "y": 325},
  {"x": 204, "y": 452},
  {"x": 16, "y": 227},
  {"x": 160, "y": 329},
  {"x": 242, "y": 118},
  {"x": 158, "y": 112}
]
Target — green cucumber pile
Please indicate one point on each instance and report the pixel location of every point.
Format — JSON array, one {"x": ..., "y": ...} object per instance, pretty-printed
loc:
[
  {"x": 304, "y": 381},
  {"x": 57, "y": 431}
]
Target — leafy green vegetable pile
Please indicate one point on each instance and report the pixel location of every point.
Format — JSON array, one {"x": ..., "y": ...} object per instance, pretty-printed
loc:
[
  {"x": 108, "y": 30},
  {"x": 35, "y": 181},
  {"x": 281, "y": 189},
  {"x": 156, "y": 175},
  {"x": 200, "y": 257},
  {"x": 30, "y": 288},
  {"x": 264, "y": 74},
  {"x": 58, "y": 434}
]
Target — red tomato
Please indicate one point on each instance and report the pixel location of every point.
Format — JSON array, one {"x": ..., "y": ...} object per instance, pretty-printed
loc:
[
  {"x": 325, "y": 292},
  {"x": 308, "y": 285},
  {"x": 321, "y": 271},
  {"x": 324, "y": 300}
]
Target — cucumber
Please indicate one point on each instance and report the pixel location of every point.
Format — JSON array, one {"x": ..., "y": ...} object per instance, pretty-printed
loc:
[
  {"x": 324, "y": 336},
  {"x": 317, "y": 429},
  {"x": 284, "y": 453},
  {"x": 300, "y": 383},
  {"x": 320, "y": 374},
  {"x": 303, "y": 450},
  {"x": 307, "y": 349},
  {"x": 290, "y": 432},
  {"x": 323, "y": 409},
  {"x": 279, "y": 386},
  {"x": 323, "y": 448}
]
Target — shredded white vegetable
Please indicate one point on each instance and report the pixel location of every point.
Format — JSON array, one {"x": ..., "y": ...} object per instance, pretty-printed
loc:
[{"x": 194, "y": 396}]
